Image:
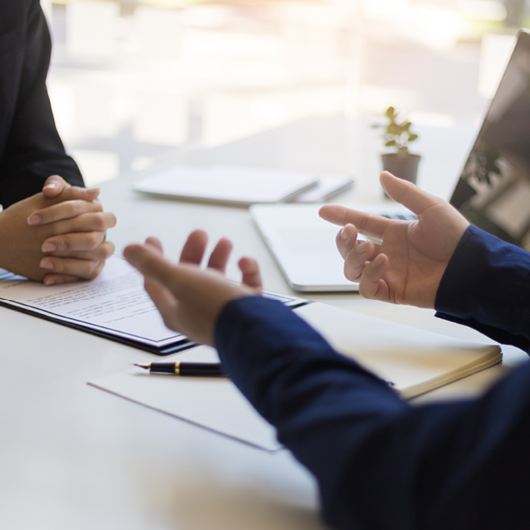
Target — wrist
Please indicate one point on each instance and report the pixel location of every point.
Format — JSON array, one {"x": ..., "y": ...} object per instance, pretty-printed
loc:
[{"x": 5, "y": 249}]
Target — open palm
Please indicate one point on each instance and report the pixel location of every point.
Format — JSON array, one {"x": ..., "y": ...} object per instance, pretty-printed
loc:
[{"x": 406, "y": 268}]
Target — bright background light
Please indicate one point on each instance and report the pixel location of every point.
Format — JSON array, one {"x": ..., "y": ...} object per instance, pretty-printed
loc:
[{"x": 133, "y": 80}]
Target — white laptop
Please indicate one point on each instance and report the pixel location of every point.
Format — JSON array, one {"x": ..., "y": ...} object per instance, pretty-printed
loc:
[
  {"x": 493, "y": 192},
  {"x": 303, "y": 244}
]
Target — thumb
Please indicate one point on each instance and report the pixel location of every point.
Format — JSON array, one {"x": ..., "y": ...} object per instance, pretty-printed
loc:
[
  {"x": 406, "y": 193},
  {"x": 148, "y": 260},
  {"x": 53, "y": 186}
]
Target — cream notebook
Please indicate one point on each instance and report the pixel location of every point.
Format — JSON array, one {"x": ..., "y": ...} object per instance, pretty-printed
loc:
[{"x": 411, "y": 360}]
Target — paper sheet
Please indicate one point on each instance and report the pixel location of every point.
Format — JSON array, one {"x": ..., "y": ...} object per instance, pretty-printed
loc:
[
  {"x": 114, "y": 302},
  {"x": 212, "y": 403},
  {"x": 414, "y": 361}
]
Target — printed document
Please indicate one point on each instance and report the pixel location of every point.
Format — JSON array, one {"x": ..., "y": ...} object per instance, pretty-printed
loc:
[{"x": 115, "y": 302}]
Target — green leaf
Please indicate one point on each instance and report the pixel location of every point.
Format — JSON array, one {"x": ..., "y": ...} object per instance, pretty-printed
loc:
[
  {"x": 407, "y": 126},
  {"x": 393, "y": 129},
  {"x": 391, "y": 143},
  {"x": 391, "y": 112},
  {"x": 413, "y": 137}
]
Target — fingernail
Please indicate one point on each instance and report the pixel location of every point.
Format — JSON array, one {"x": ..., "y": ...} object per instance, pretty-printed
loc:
[
  {"x": 46, "y": 264},
  {"x": 362, "y": 247},
  {"x": 343, "y": 234},
  {"x": 34, "y": 220},
  {"x": 49, "y": 282},
  {"x": 51, "y": 185},
  {"x": 49, "y": 247}
]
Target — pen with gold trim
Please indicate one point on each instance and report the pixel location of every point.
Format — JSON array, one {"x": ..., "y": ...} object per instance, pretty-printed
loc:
[{"x": 184, "y": 369}]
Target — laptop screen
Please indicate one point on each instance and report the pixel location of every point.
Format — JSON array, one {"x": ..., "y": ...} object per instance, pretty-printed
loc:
[{"x": 493, "y": 191}]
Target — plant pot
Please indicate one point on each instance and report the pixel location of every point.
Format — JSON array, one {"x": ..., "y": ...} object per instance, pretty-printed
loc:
[{"x": 404, "y": 167}]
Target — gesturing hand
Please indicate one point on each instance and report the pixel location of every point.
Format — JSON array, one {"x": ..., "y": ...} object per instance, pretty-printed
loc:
[
  {"x": 56, "y": 236},
  {"x": 408, "y": 266},
  {"x": 189, "y": 298}
]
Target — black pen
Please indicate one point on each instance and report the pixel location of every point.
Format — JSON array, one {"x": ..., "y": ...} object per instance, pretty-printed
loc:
[{"x": 185, "y": 369}]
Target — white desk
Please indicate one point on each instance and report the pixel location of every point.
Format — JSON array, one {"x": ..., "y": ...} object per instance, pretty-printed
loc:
[{"x": 74, "y": 457}]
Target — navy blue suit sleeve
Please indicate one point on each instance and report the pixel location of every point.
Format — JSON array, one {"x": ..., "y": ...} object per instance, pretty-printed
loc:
[
  {"x": 32, "y": 149},
  {"x": 379, "y": 462},
  {"x": 487, "y": 286}
]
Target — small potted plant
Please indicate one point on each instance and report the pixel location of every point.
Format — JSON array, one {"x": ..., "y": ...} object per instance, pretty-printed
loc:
[{"x": 397, "y": 137}]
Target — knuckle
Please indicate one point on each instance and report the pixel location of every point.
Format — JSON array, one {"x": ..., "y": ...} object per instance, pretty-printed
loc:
[
  {"x": 350, "y": 274},
  {"x": 110, "y": 219},
  {"x": 365, "y": 292},
  {"x": 59, "y": 265},
  {"x": 91, "y": 268},
  {"x": 70, "y": 209},
  {"x": 92, "y": 241},
  {"x": 87, "y": 269},
  {"x": 108, "y": 250},
  {"x": 63, "y": 244},
  {"x": 364, "y": 221},
  {"x": 95, "y": 271},
  {"x": 99, "y": 222}
]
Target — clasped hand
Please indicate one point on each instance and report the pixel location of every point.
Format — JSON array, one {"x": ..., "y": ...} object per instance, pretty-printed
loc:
[{"x": 56, "y": 236}]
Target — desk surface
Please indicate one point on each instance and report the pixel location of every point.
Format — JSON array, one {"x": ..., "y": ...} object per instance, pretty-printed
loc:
[{"x": 76, "y": 457}]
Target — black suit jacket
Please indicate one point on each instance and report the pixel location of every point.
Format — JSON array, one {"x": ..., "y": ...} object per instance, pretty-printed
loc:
[{"x": 30, "y": 147}]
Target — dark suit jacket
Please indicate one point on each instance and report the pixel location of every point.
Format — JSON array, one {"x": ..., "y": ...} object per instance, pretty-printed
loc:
[
  {"x": 30, "y": 147},
  {"x": 381, "y": 463}
]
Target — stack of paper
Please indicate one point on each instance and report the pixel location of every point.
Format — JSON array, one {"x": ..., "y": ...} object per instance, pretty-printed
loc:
[
  {"x": 242, "y": 186},
  {"x": 411, "y": 360}
]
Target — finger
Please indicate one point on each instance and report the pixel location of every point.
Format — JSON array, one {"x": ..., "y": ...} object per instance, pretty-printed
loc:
[
  {"x": 251, "y": 274},
  {"x": 356, "y": 259},
  {"x": 65, "y": 244},
  {"x": 75, "y": 267},
  {"x": 161, "y": 297},
  {"x": 221, "y": 253},
  {"x": 54, "y": 185},
  {"x": 372, "y": 284},
  {"x": 194, "y": 248},
  {"x": 102, "y": 252},
  {"x": 63, "y": 210},
  {"x": 87, "y": 222},
  {"x": 156, "y": 243},
  {"x": 346, "y": 240},
  {"x": 164, "y": 301},
  {"x": 365, "y": 223},
  {"x": 406, "y": 193},
  {"x": 154, "y": 266},
  {"x": 57, "y": 279},
  {"x": 72, "y": 193}
]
